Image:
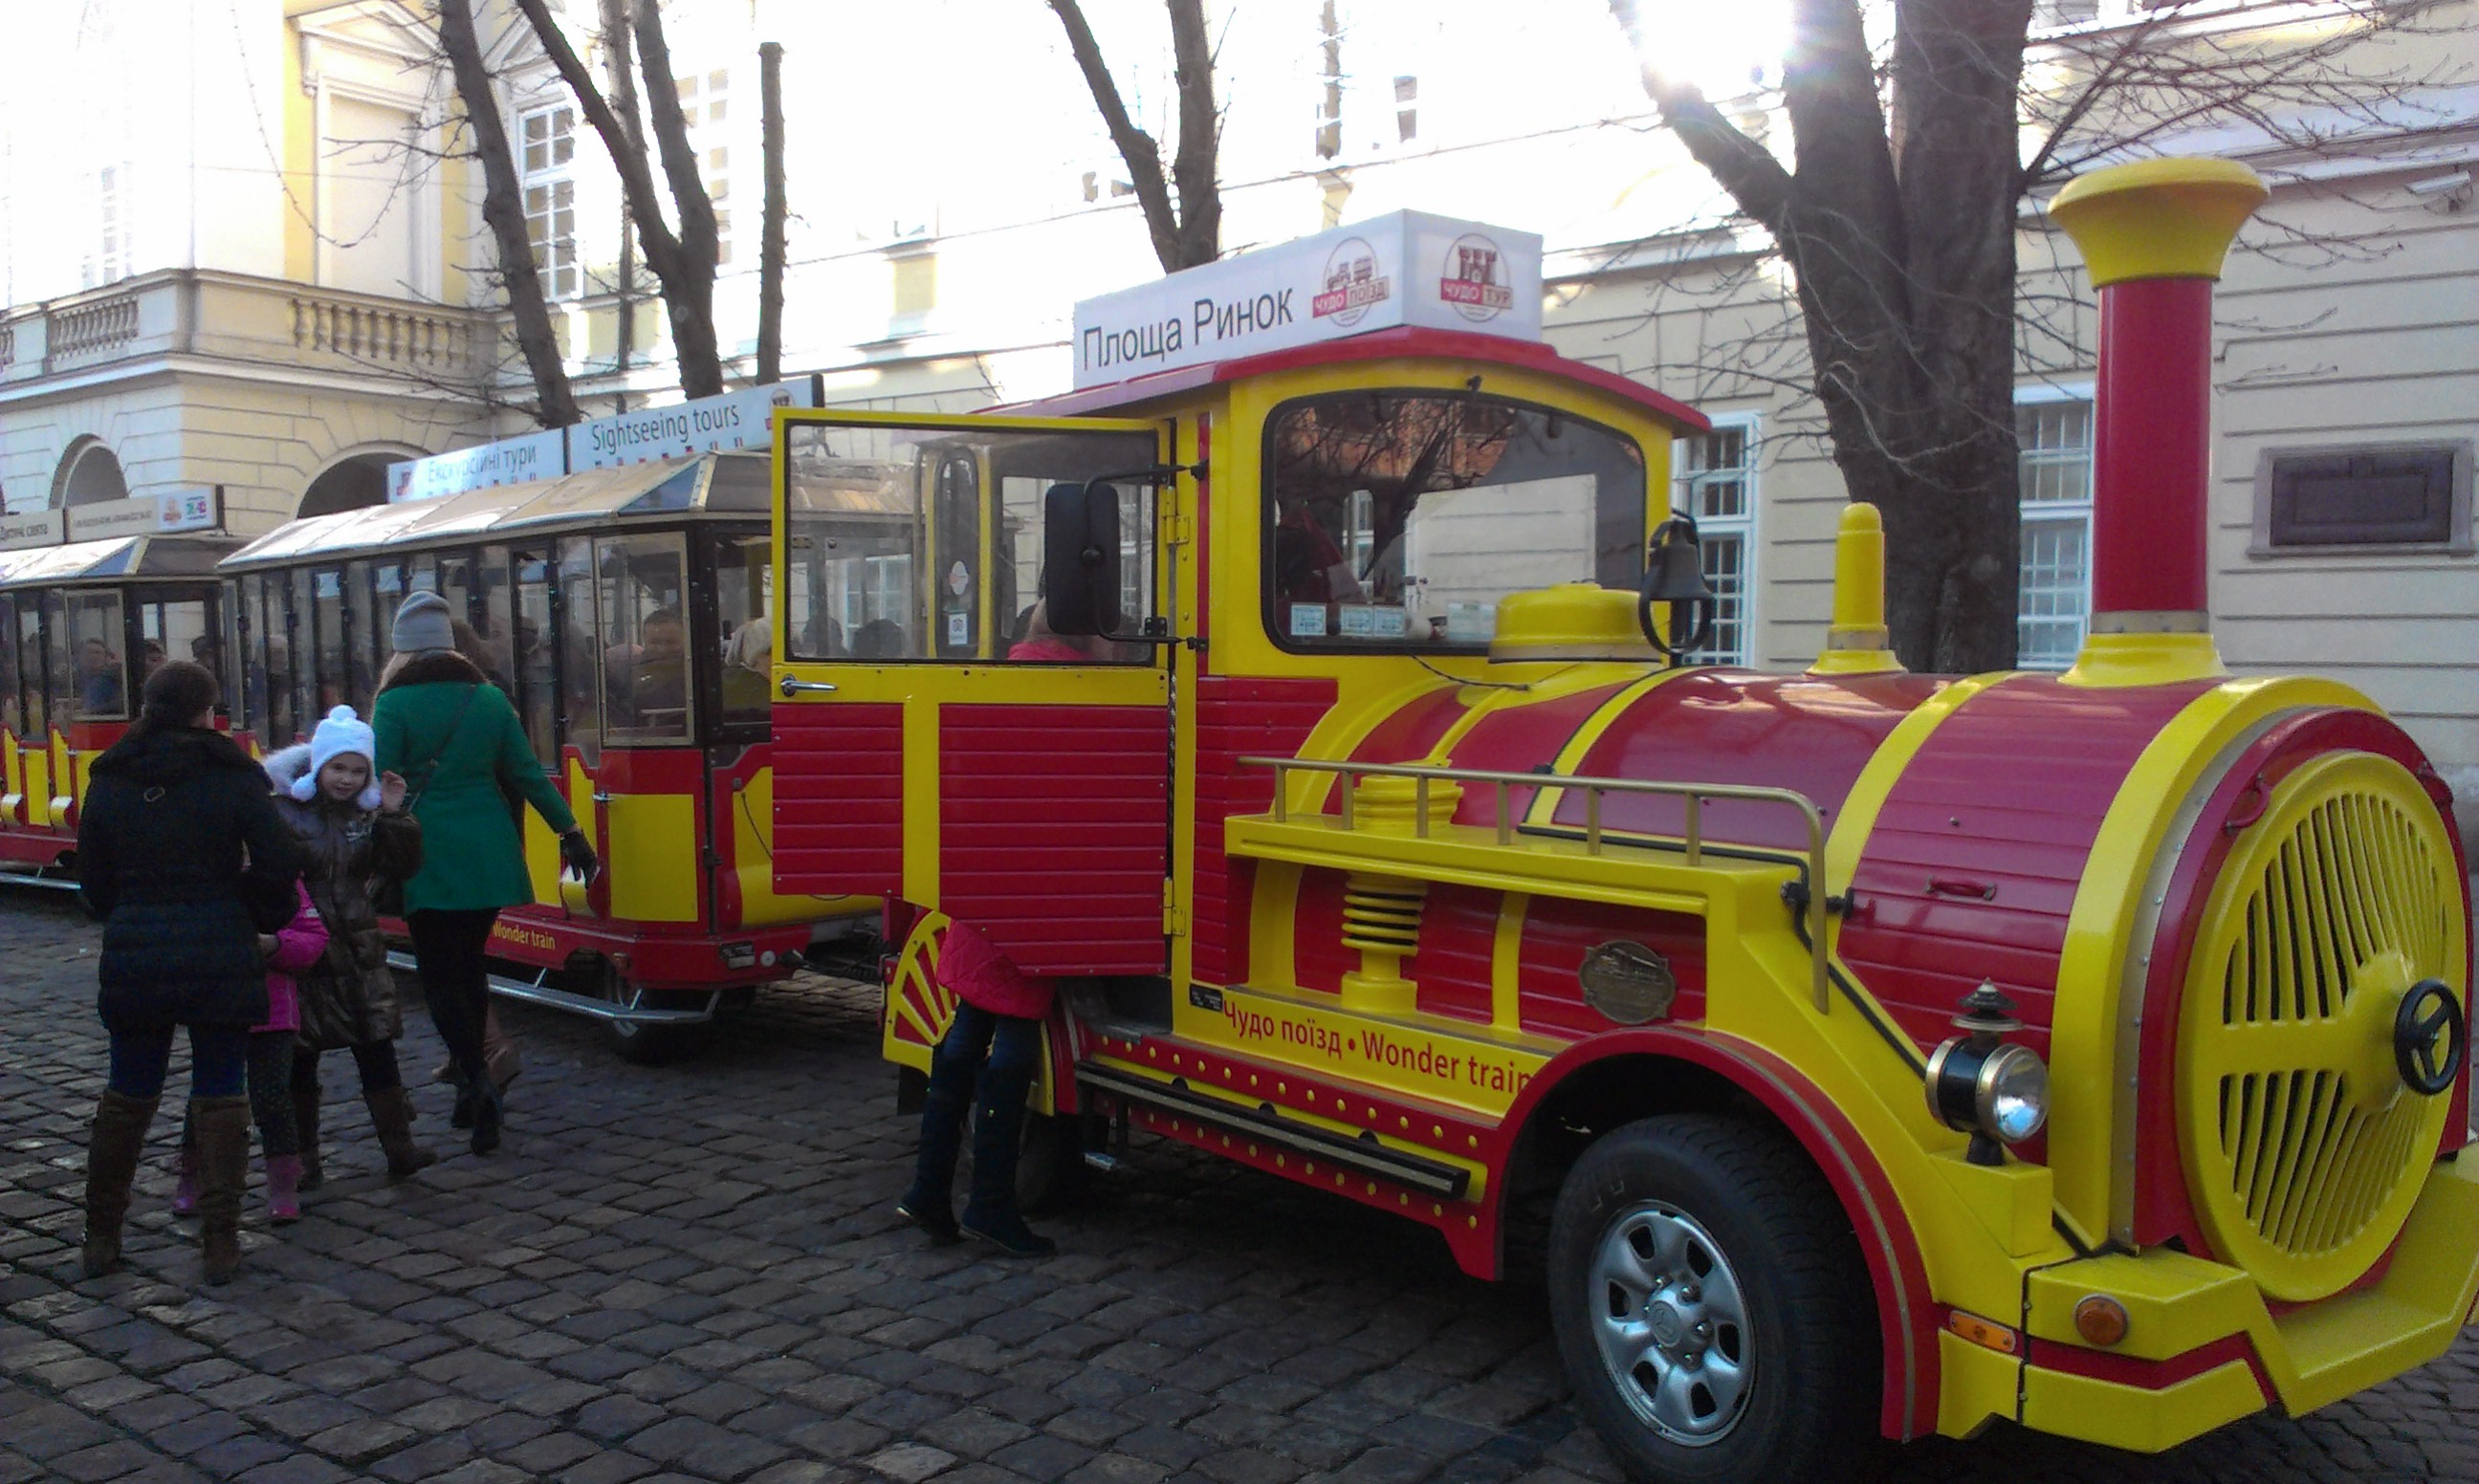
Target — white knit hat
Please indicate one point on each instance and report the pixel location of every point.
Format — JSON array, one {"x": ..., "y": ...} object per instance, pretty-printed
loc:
[{"x": 342, "y": 733}]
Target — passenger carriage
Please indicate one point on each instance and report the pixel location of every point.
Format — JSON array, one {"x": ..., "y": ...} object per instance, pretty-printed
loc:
[
  {"x": 623, "y": 611},
  {"x": 1855, "y": 1051},
  {"x": 82, "y": 626}
]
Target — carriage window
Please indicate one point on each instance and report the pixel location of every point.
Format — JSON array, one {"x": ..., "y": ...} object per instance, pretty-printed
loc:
[
  {"x": 492, "y": 623},
  {"x": 327, "y": 641},
  {"x": 890, "y": 529},
  {"x": 273, "y": 653},
  {"x": 537, "y": 660},
  {"x": 302, "y": 645},
  {"x": 1400, "y": 519},
  {"x": 34, "y": 707},
  {"x": 744, "y": 577},
  {"x": 12, "y": 705},
  {"x": 183, "y": 629},
  {"x": 573, "y": 602},
  {"x": 387, "y": 595},
  {"x": 233, "y": 674},
  {"x": 102, "y": 669},
  {"x": 644, "y": 585},
  {"x": 361, "y": 676}
]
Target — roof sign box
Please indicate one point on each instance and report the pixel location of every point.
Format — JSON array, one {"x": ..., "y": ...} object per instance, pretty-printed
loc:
[
  {"x": 1404, "y": 267},
  {"x": 709, "y": 424},
  {"x": 34, "y": 529},
  {"x": 509, "y": 461},
  {"x": 191, "y": 508}
]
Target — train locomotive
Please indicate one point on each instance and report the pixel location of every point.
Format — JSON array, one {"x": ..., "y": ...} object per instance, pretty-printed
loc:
[{"x": 1853, "y": 1052}]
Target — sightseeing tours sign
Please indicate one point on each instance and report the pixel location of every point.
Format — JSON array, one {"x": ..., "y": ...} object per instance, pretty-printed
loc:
[
  {"x": 733, "y": 420},
  {"x": 1403, "y": 269}
]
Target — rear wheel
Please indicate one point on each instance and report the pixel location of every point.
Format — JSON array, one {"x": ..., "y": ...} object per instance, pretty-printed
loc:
[
  {"x": 1710, "y": 1307},
  {"x": 649, "y": 1045}
]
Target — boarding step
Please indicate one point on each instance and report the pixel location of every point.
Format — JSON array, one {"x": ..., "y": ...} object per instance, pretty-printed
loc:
[
  {"x": 538, "y": 991},
  {"x": 1363, "y": 1155}
]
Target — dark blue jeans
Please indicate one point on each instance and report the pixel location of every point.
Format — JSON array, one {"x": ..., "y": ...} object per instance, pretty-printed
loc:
[
  {"x": 985, "y": 1063},
  {"x": 219, "y": 1061}
]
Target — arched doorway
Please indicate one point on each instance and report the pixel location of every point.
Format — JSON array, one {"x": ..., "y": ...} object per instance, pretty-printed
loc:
[
  {"x": 351, "y": 483},
  {"x": 89, "y": 476}
]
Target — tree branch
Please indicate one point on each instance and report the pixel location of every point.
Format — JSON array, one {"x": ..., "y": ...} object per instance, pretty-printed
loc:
[
  {"x": 1193, "y": 169},
  {"x": 1136, "y": 146}
]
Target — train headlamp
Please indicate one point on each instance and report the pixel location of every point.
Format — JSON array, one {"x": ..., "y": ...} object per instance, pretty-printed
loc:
[{"x": 1983, "y": 1085}]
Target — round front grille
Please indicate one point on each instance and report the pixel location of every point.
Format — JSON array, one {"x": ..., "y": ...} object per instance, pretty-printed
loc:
[{"x": 2304, "y": 1149}]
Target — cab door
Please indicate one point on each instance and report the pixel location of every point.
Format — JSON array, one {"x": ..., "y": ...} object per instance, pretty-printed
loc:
[{"x": 928, "y": 745}]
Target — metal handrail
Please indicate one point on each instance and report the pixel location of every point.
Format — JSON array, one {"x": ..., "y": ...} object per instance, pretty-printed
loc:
[{"x": 1594, "y": 788}]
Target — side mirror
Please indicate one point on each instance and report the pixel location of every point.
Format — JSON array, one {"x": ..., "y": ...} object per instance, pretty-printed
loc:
[{"x": 1080, "y": 570}]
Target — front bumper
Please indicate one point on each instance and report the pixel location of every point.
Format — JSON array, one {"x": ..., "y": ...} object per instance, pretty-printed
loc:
[{"x": 2202, "y": 1349}]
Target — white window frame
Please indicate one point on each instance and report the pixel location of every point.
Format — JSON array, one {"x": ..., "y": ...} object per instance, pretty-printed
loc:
[
  {"x": 2058, "y": 512},
  {"x": 557, "y": 254},
  {"x": 1685, "y": 487}
]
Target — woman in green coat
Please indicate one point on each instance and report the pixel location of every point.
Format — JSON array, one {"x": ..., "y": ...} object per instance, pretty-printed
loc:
[{"x": 456, "y": 739}]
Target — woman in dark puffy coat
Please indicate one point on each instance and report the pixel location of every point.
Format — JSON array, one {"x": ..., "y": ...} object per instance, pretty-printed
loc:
[{"x": 181, "y": 854}]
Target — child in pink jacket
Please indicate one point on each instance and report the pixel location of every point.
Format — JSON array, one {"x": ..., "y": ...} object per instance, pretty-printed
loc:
[{"x": 302, "y": 943}]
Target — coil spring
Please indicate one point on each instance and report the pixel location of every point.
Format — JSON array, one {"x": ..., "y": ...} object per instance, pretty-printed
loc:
[{"x": 1382, "y": 913}]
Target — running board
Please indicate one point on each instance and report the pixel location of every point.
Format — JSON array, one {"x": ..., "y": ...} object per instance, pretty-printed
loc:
[
  {"x": 37, "y": 878},
  {"x": 1366, "y": 1155},
  {"x": 537, "y": 992}
]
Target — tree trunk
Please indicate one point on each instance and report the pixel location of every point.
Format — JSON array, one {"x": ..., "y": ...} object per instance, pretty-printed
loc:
[
  {"x": 1904, "y": 261},
  {"x": 1190, "y": 233},
  {"x": 770, "y": 247},
  {"x": 682, "y": 263},
  {"x": 503, "y": 213}
]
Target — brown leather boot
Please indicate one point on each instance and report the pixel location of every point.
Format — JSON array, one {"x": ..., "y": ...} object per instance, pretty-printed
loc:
[
  {"x": 112, "y": 1155},
  {"x": 306, "y": 1120},
  {"x": 499, "y": 1050},
  {"x": 391, "y": 1114},
  {"x": 224, "y": 1169}
]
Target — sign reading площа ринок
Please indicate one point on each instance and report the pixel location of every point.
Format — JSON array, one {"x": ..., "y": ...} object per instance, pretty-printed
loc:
[{"x": 1404, "y": 269}]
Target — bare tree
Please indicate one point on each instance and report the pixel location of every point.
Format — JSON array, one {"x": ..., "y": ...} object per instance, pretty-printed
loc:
[
  {"x": 682, "y": 260},
  {"x": 1190, "y": 233},
  {"x": 1899, "y": 220},
  {"x": 503, "y": 213},
  {"x": 770, "y": 245}
]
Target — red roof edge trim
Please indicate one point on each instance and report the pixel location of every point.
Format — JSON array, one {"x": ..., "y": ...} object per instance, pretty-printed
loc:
[{"x": 1400, "y": 343}]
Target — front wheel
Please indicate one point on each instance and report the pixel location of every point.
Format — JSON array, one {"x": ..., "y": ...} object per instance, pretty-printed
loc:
[{"x": 1709, "y": 1306}]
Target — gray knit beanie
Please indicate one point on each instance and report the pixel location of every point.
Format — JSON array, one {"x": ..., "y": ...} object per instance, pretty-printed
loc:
[{"x": 421, "y": 625}]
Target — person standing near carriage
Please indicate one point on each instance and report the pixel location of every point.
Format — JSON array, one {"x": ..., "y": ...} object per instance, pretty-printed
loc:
[
  {"x": 181, "y": 855},
  {"x": 457, "y": 741},
  {"x": 353, "y": 824}
]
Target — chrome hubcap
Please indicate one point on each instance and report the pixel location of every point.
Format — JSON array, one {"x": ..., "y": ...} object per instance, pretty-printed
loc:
[{"x": 1671, "y": 1325}]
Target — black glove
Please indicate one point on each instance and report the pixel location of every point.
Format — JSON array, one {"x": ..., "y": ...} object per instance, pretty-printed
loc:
[{"x": 576, "y": 856}]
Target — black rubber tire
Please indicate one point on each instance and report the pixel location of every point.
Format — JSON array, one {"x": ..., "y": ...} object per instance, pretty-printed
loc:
[
  {"x": 643, "y": 1045},
  {"x": 1811, "y": 1411}
]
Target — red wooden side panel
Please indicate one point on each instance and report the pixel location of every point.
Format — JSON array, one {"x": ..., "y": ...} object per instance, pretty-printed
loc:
[
  {"x": 1970, "y": 870},
  {"x": 1053, "y": 829},
  {"x": 1458, "y": 935},
  {"x": 1235, "y": 719},
  {"x": 839, "y": 799}
]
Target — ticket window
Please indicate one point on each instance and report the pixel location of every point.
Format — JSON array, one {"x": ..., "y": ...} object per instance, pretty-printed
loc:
[
  {"x": 648, "y": 700},
  {"x": 537, "y": 653},
  {"x": 574, "y": 603},
  {"x": 744, "y": 582}
]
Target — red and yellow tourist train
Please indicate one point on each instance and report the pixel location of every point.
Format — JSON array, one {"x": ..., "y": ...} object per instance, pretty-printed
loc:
[
  {"x": 1855, "y": 1051},
  {"x": 82, "y": 626},
  {"x": 623, "y": 611}
]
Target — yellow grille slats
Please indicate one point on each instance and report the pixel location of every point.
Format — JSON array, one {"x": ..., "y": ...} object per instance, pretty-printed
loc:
[{"x": 2304, "y": 1150}]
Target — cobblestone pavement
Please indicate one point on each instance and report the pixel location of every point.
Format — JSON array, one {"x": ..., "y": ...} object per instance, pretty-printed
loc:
[{"x": 694, "y": 1272}]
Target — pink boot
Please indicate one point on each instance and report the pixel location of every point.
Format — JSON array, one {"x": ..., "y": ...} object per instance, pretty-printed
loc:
[
  {"x": 284, "y": 1189},
  {"x": 185, "y": 1190}
]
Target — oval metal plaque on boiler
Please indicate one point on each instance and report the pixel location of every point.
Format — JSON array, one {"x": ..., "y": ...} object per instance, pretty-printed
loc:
[{"x": 1627, "y": 982}]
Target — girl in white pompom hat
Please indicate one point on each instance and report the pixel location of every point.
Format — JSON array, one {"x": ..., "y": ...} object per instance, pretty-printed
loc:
[{"x": 354, "y": 830}]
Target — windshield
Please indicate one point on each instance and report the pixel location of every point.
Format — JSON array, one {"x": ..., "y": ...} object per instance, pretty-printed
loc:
[{"x": 1399, "y": 519}]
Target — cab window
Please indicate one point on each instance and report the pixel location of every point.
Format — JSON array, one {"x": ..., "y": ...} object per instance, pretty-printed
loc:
[
  {"x": 926, "y": 543},
  {"x": 1399, "y": 520}
]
